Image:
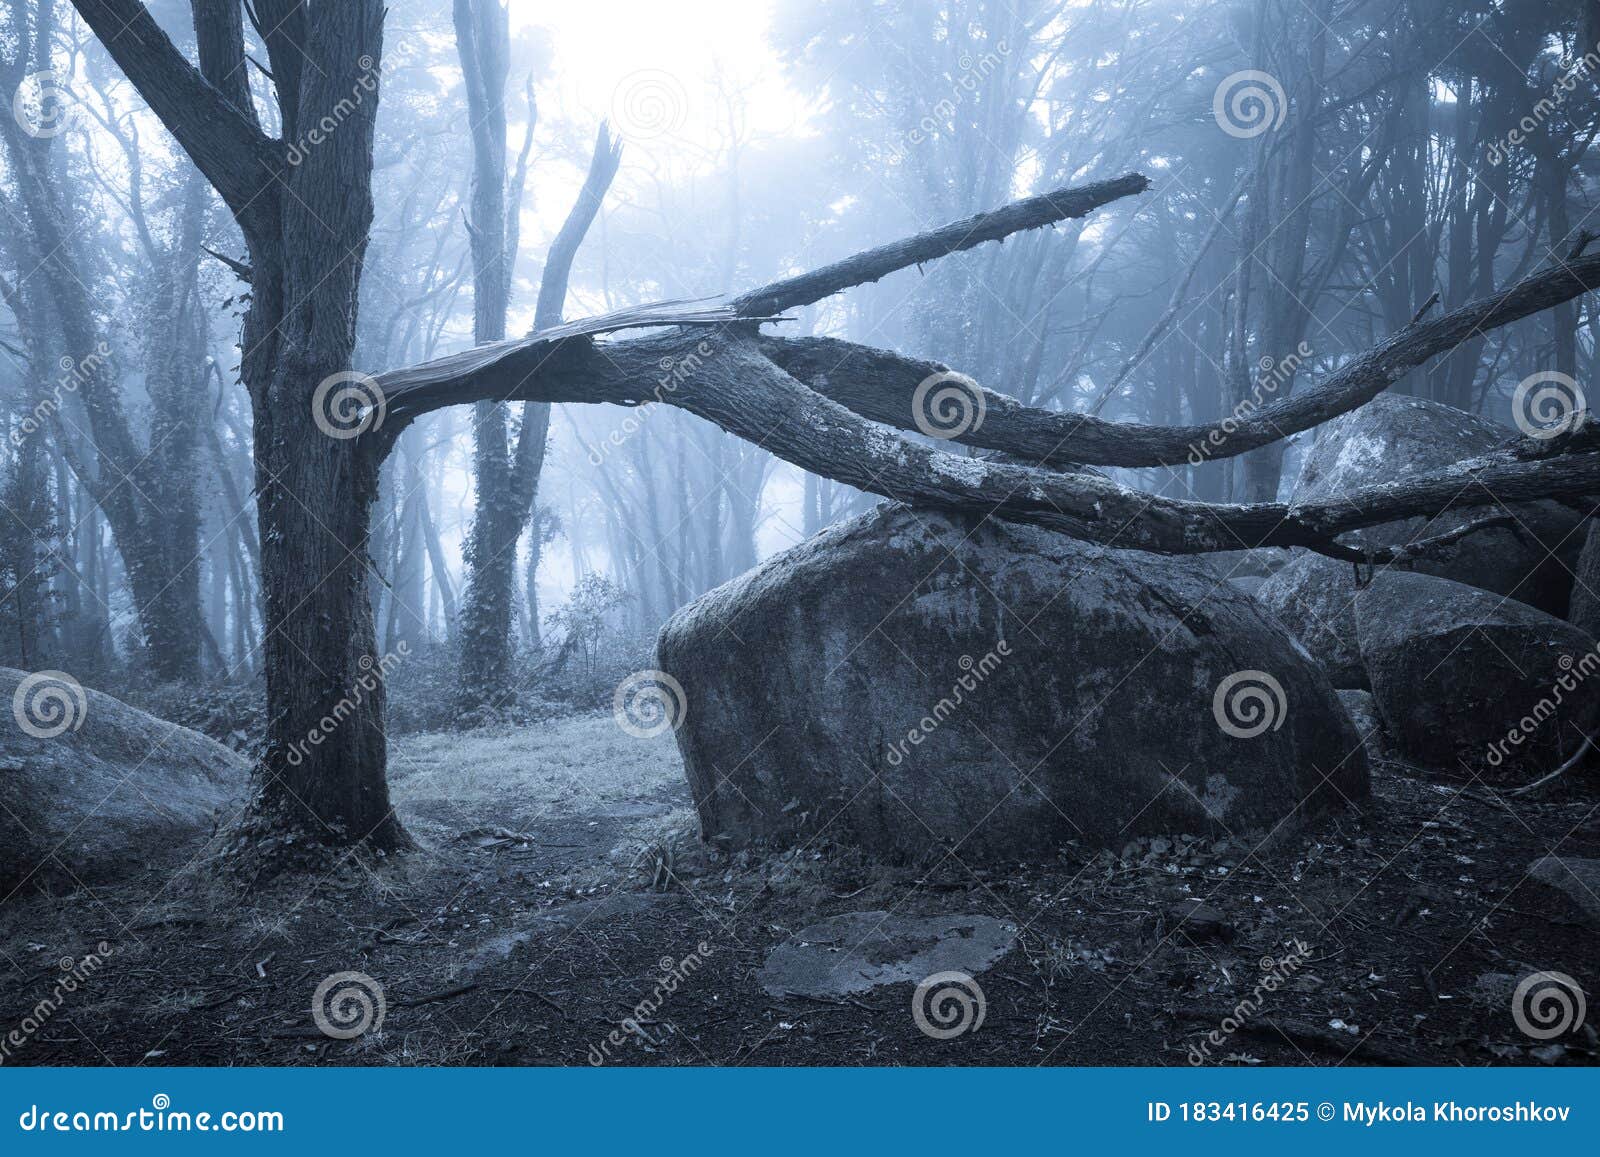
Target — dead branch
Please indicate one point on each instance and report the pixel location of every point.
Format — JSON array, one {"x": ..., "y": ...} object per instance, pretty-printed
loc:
[
  {"x": 724, "y": 377},
  {"x": 873, "y": 264},
  {"x": 1583, "y": 749},
  {"x": 1412, "y": 552},
  {"x": 879, "y": 384}
]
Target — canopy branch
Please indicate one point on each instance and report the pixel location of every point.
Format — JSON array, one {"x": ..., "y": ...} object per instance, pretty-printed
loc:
[{"x": 225, "y": 144}]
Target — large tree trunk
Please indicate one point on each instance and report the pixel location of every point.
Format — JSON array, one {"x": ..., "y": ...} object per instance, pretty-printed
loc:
[{"x": 323, "y": 770}]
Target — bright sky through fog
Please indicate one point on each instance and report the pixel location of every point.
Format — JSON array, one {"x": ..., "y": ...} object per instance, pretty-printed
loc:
[{"x": 666, "y": 56}]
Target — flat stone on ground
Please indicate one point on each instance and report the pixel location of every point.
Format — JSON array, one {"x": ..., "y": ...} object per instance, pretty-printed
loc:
[
  {"x": 1578, "y": 879},
  {"x": 859, "y": 951}
]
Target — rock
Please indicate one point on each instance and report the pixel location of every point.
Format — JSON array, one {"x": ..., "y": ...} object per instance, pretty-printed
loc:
[
  {"x": 1577, "y": 879},
  {"x": 1394, "y": 437},
  {"x": 859, "y": 951},
  {"x": 1250, "y": 584},
  {"x": 1199, "y": 923},
  {"x": 911, "y": 682},
  {"x": 1363, "y": 713},
  {"x": 91, "y": 785},
  {"x": 1236, "y": 564},
  {"x": 1583, "y": 610},
  {"x": 1464, "y": 677},
  {"x": 1315, "y": 598}
]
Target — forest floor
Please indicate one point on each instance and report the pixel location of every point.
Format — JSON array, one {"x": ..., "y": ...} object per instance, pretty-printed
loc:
[{"x": 560, "y": 881}]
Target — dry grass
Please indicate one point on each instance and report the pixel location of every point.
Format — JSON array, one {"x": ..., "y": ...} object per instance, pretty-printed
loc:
[{"x": 515, "y": 777}]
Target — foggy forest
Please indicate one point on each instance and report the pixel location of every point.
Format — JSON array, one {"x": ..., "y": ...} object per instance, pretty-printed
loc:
[{"x": 799, "y": 532}]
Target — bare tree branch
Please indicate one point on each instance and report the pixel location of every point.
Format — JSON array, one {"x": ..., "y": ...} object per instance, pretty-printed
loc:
[
  {"x": 232, "y": 152},
  {"x": 879, "y": 384},
  {"x": 873, "y": 264},
  {"x": 724, "y": 376}
]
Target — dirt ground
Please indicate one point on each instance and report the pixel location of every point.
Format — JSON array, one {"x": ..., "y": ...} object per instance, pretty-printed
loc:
[{"x": 560, "y": 885}]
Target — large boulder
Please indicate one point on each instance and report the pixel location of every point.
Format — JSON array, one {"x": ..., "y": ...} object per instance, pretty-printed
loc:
[
  {"x": 911, "y": 681},
  {"x": 1583, "y": 611},
  {"x": 1566, "y": 882},
  {"x": 1369, "y": 725},
  {"x": 1394, "y": 437},
  {"x": 1465, "y": 679},
  {"x": 89, "y": 784},
  {"x": 1315, "y": 596}
]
